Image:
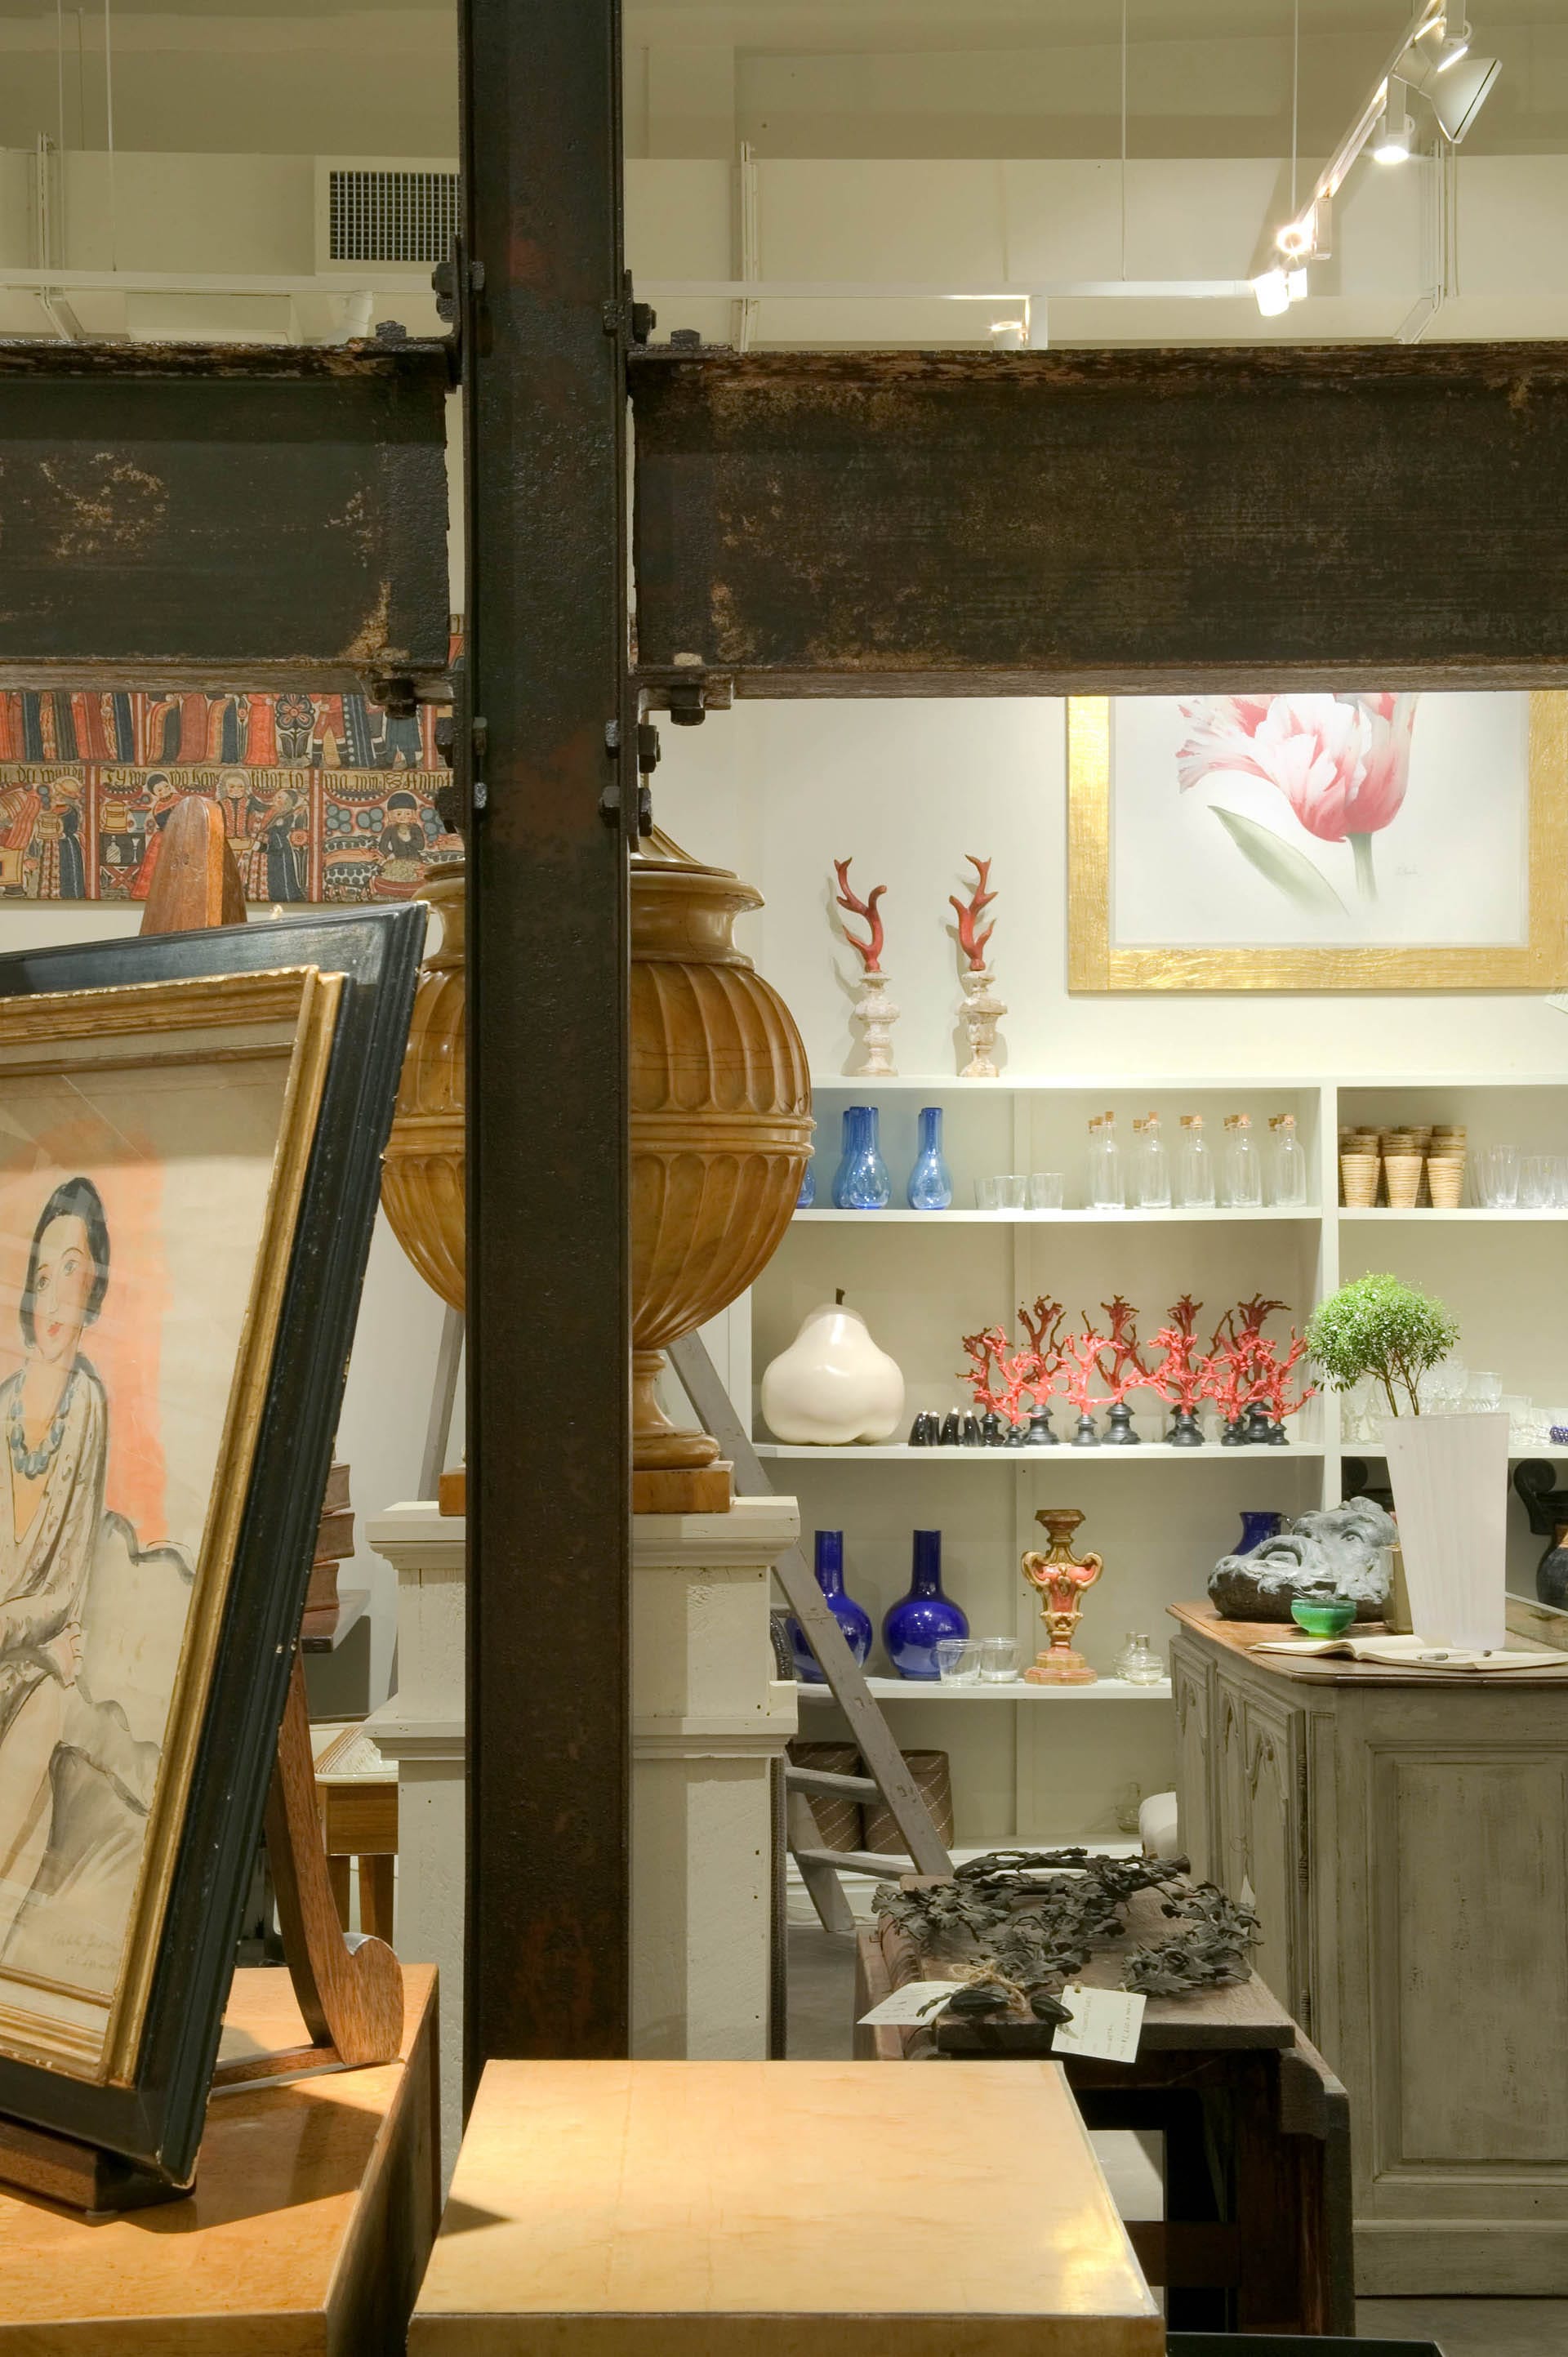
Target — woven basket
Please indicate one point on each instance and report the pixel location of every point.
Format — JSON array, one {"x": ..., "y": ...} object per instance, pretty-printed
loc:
[
  {"x": 934, "y": 1783},
  {"x": 837, "y": 1820},
  {"x": 1359, "y": 1176},
  {"x": 1403, "y": 1171},
  {"x": 1445, "y": 1177}
]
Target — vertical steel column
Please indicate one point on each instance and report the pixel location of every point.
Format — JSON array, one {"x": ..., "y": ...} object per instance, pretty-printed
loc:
[{"x": 549, "y": 1427}]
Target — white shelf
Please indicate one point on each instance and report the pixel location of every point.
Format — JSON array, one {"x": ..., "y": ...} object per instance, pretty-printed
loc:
[
  {"x": 1083, "y": 1218},
  {"x": 933, "y": 1690},
  {"x": 1463, "y": 1218},
  {"x": 1157, "y": 1452},
  {"x": 1139, "y": 1084}
]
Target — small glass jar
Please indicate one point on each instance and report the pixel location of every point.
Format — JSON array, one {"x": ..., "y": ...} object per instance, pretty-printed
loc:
[
  {"x": 1243, "y": 1173},
  {"x": 1150, "y": 1167},
  {"x": 1288, "y": 1177},
  {"x": 1195, "y": 1167},
  {"x": 1138, "y": 1665}
]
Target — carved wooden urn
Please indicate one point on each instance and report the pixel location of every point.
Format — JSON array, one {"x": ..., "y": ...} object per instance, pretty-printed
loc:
[
  {"x": 422, "y": 1176},
  {"x": 721, "y": 1122}
]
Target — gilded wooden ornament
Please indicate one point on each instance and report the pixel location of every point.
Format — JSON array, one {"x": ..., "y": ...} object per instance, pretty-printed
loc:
[
  {"x": 720, "y": 1125},
  {"x": 422, "y": 1175},
  {"x": 1060, "y": 1578}
]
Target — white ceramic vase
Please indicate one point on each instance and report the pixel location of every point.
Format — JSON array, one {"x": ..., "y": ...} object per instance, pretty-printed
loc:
[
  {"x": 832, "y": 1385},
  {"x": 877, "y": 1015},
  {"x": 1450, "y": 1477},
  {"x": 983, "y": 1010}
]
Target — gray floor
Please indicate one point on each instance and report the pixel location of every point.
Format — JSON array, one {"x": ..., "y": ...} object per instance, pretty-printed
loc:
[{"x": 822, "y": 1998}]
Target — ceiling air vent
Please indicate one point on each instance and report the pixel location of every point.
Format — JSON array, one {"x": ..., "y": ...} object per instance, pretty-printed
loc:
[{"x": 391, "y": 215}]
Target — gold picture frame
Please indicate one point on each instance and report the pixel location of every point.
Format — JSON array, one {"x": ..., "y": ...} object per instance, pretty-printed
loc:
[
  {"x": 287, "y": 1018},
  {"x": 1097, "y": 962}
]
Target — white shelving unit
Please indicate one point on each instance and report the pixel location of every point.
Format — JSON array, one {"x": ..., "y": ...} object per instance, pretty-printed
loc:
[{"x": 924, "y": 1279}]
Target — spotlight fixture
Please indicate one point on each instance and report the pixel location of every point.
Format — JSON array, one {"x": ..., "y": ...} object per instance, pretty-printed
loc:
[
  {"x": 1273, "y": 292},
  {"x": 1395, "y": 138},
  {"x": 1295, "y": 283},
  {"x": 1456, "y": 97}
]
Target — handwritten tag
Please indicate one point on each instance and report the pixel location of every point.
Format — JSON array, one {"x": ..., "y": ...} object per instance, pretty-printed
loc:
[
  {"x": 1106, "y": 2024},
  {"x": 915, "y": 2001}
]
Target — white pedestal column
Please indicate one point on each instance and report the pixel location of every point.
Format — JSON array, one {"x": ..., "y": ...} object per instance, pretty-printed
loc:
[
  {"x": 421, "y": 1728},
  {"x": 709, "y": 1718}
]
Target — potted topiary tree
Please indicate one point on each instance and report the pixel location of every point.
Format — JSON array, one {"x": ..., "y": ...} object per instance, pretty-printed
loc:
[{"x": 1449, "y": 1472}]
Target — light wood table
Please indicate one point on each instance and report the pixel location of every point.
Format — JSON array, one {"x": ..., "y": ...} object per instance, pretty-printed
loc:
[
  {"x": 314, "y": 2208},
  {"x": 779, "y": 2210},
  {"x": 1404, "y": 1833}
]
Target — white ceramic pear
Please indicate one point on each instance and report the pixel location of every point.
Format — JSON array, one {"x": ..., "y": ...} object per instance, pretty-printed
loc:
[{"x": 832, "y": 1385}]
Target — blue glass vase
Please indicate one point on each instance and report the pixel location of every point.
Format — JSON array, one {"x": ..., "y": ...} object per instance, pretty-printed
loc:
[
  {"x": 1257, "y": 1525},
  {"x": 914, "y": 1626},
  {"x": 854, "y": 1623},
  {"x": 930, "y": 1180},
  {"x": 860, "y": 1182},
  {"x": 808, "y": 1194}
]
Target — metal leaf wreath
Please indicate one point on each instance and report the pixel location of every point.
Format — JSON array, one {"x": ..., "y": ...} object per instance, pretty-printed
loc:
[{"x": 1034, "y": 1935}]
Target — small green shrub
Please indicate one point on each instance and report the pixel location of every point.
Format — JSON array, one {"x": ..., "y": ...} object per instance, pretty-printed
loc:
[{"x": 1381, "y": 1328}]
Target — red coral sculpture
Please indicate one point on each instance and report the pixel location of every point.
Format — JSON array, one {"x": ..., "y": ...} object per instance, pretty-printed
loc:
[
  {"x": 871, "y": 950},
  {"x": 1271, "y": 1380},
  {"x": 1082, "y": 1354},
  {"x": 1127, "y": 1370},
  {"x": 1014, "y": 1372},
  {"x": 1042, "y": 1326},
  {"x": 1182, "y": 1378},
  {"x": 973, "y": 944},
  {"x": 1246, "y": 1369}
]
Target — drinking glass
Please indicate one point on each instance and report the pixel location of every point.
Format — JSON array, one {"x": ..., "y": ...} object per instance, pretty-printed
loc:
[
  {"x": 1560, "y": 1182},
  {"x": 985, "y": 1194},
  {"x": 1499, "y": 1173},
  {"x": 1537, "y": 1182},
  {"x": 1045, "y": 1191},
  {"x": 1518, "y": 1411},
  {"x": 998, "y": 1659},
  {"x": 1483, "y": 1393},
  {"x": 958, "y": 1662},
  {"x": 1009, "y": 1194}
]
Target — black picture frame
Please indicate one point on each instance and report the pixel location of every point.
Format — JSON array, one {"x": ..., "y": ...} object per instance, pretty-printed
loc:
[{"x": 156, "y": 2122}]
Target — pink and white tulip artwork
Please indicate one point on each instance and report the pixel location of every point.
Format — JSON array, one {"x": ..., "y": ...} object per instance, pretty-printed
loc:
[{"x": 1342, "y": 762}]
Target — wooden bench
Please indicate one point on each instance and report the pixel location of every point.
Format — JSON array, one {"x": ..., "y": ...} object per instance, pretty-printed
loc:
[{"x": 1256, "y": 2234}]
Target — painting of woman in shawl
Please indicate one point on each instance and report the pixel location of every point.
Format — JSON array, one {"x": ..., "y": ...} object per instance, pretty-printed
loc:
[{"x": 55, "y": 1420}]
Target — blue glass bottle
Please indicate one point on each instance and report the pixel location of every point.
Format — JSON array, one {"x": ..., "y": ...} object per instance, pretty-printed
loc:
[
  {"x": 860, "y": 1182},
  {"x": 1257, "y": 1524},
  {"x": 854, "y": 1621},
  {"x": 914, "y": 1626},
  {"x": 808, "y": 1194},
  {"x": 930, "y": 1180}
]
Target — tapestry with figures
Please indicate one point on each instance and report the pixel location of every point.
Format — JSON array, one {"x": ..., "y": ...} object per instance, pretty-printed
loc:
[{"x": 323, "y": 797}]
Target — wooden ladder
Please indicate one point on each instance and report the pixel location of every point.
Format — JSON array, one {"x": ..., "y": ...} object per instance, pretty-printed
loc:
[{"x": 888, "y": 1779}]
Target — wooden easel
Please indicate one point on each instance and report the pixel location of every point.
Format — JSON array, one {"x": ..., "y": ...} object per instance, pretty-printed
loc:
[{"x": 349, "y": 1987}]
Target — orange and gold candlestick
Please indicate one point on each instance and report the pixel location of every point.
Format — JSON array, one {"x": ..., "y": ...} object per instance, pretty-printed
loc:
[{"x": 1061, "y": 1578}]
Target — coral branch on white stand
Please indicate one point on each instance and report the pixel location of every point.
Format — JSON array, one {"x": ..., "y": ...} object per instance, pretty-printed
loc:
[
  {"x": 875, "y": 1011},
  {"x": 981, "y": 1012}
]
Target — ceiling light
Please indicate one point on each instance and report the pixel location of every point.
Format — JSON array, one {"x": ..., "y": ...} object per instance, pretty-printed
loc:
[
  {"x": 1456, "y": 98},
  {"x": 1393, "y": 139},
  {"x": 1272, "y": 291},
  {"x": 1295, "y": 283}
]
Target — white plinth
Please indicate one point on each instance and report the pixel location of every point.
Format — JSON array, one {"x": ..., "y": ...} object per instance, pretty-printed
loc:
[
  {"x": 709, "y": 1718},
  {"x": 421, "y": 1728}
]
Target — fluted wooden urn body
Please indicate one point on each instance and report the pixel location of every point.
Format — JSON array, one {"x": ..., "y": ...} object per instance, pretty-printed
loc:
[
  {"x": 721, "y": 1122},
  {"x": 422, "y": 1176}
]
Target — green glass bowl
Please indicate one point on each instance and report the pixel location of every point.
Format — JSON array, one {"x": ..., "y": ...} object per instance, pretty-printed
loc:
[{"x": 1329, "y": 1618}]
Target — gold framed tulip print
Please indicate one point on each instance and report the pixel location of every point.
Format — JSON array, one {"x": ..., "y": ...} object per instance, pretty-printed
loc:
[{"x": 1295, "y": 842}]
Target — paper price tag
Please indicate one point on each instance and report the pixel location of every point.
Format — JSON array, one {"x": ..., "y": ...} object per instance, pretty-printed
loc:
[
  {"x": 1106, "y": 2024},
  {"x": 917, "y": 2001}
]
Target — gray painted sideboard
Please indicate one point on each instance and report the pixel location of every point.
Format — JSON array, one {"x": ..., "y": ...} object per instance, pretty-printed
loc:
[{"x": 1406, "y": 1842}]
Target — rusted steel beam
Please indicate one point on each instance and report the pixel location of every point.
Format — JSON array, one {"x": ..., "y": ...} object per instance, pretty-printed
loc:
[
  {"x": 222, "y": 516},
  {"x": 931, "y": 524},
  {"x": 548, "y": 1288}
]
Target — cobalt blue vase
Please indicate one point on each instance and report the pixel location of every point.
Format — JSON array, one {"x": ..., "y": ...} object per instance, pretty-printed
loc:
[
  {"x": 854, "y": 1623},
  {"x": 807, "y": 1197},
  {"x": 860, "y": 1182},
  {"x": 930, "y": 1180},
  {"x": 1256, "y": 1526},
  {"x": 914, "y": 1626}
]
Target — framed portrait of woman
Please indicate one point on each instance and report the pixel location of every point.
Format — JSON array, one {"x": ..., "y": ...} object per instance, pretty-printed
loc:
[
  {"x": 190, "y": 1130},
  {"x": 1320, "y": 841}
]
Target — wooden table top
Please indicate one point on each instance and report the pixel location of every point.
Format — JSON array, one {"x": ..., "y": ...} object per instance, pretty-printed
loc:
[
  {"x": 1337, "y": 1670},
  {"x": 777, "y": 2209},
  {"x": 251, "y": 2261}
]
